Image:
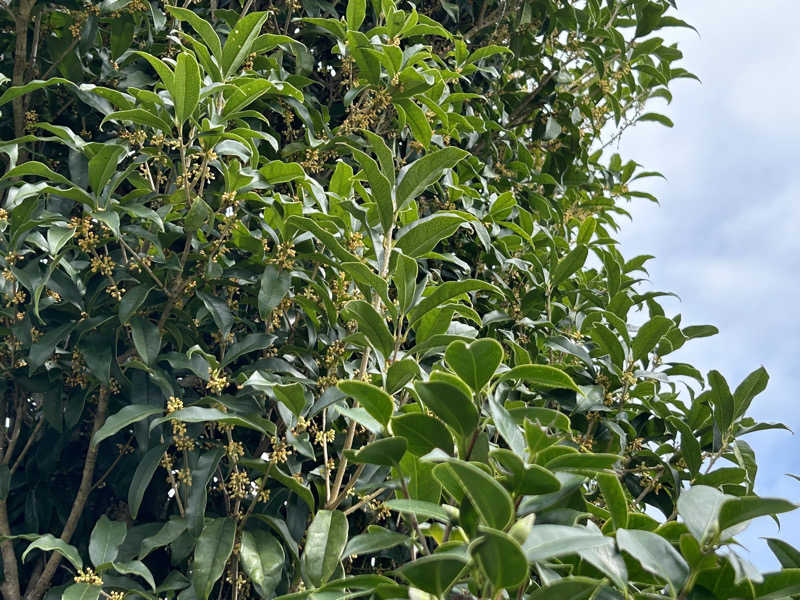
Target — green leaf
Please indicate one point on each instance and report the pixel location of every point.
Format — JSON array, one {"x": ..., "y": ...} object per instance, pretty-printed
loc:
[
  {"x": 105, "y": 540},
  {"x": 146, "y": 339},
  {"x": 446, "y": 291},
  {"x": 656, "y": 555},
  {"x": 609, "y": 343},
  {"x": 126, "y": 416},
  {"x": 376, "y": 402},
  {"x": 330, "y": 242},
  {"x": 251, "y": 343},
  {"x": 103, "y": 165},
  {"x": 739, "y": 510},
  {"x": 568, "y": 588},
  {"x": 416, "y": 177},
  {"x": 422, "y": 432},
  {"x": 219, "y": 312},
  {"x": 275, "y": 284},
  {"x": 325, "y": 542},
  {"x": 369, "y": 281},
  {"x": 380, "y": 186},
  {"x": 543, "y": 376},
  {"x": 139, "y": 116},
  {"x": 500, "y": 558},
  {"x": 371, "y": 324},
  {"x": 49, "y": 542},
  {"x": 262, "y": 558},
  {"x": 384, "y": 154},
  {"x": 376, "y": 539},
  {"x": 187, "y": 86},
  {"x": 422, "y": 236},
  {"x": 240, "y": 41},
  {"x": 386, "y": 451},
  {"x": 658, "y": 118},
  {"x": 141, "y": 477},
  {"x": 549, "y": 541},
  {"x": 420, "y": 508},
  {"x": 33, "y": 167},
  {"x": 81, "y": 591},
  {"x": 614, "y": 495},
  {"x": 476, "y": 362},
  {"x": 690, "y": 447},
  {"x": 198, "y": 215},
  {"x": 356, "y": 11},
  {"x": 649, "y": 335},
  {"x": 211, "y": 553},
  {"x": 201, "y": 26},
  {"x": 136, "y": 567},
  {"x": 722, "y": 401},
  {"x": 132, "y": 301},
  {"x": 32, "y": 86},
  {"x": 568, "y": 266},
  {"x": 199, "y": 414},
  {"x": 168, "y": 533},
  {"x": 490, "y": 499},
  {"x": 450, "y": 404},
  {"x": 277, "y": 171},
  {"x": 417, "y": 121},
  {"x": 434, "y": 574},
  {"x": 699, "y": 508},
  {"x": 292, "y": 396},
  {"x": 787, "y": 555},
  {"x": 405, "y": 281},
  {"x": 536, "y": 480},
  {"x": 752, "y": 386},
  {"x": 582, "y": 462},
  {"x": 400, "y": 373}
]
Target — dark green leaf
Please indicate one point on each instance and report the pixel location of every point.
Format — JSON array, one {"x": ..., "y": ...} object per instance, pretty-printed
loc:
[
  {"x": 500, "y": 558},
  {"x": 543, "y": 376},
  {"x": 371, "y": 324},
  {"x": 423, "y": 433},
  {"x": 146, "y": 339},
  {"x": 568, "y": 266},
  {"x": 141, "y": 477},
  {"x": 450, "y": 404},
  {"x": 656, "y": 555},
  {"x": 490, "y": 499},
  {"x": 376, "y": 402},
  {"x": 274, "y": 287},
  {"x": 325, "y": 542},
  {"x": 475, "y": 363},
  {"x": 49, "y": 542},
  {"x": 214, "y": 546},
  {"x": 126, "y": 416},
  {"x": 386, "y": 452},
  {"x": 219, "y": 312},
  {"x": 434, "y": 574},
  {"x": 422, "y": 236},
  {"x": 416, "y": 177},
  {"x": 262, "y": 559},
  {"x": 649, "y": 335}
]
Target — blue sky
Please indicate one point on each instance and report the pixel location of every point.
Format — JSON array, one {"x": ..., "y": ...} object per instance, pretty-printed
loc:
[{"x": 726, "y": 235}]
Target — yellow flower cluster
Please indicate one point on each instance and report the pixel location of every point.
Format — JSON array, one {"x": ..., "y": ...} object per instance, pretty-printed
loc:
[
  {"x": 104, "y": 265},
  {"x": 87, "y": 575},
  {"x": 217, "y": 382},
  {"x": 238, "y": 484},
  {"x": 284, "y": 256}
]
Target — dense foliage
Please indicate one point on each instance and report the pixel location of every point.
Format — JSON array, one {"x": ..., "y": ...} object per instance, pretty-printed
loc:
[{"x": 322, "y": 298}]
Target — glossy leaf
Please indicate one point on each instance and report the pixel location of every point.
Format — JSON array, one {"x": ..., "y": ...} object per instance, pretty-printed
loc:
[
  {"x": 325, "y": 541},
  {"x": 214, "y": 546},
  {"x": 262, "y": 558}
]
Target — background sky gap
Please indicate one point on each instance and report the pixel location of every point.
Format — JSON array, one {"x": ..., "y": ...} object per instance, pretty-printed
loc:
[{"x": 726, "y": 235}]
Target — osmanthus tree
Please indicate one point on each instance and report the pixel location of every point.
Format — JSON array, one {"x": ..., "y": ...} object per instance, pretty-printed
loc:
[{"x": 298, "y": 301}]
